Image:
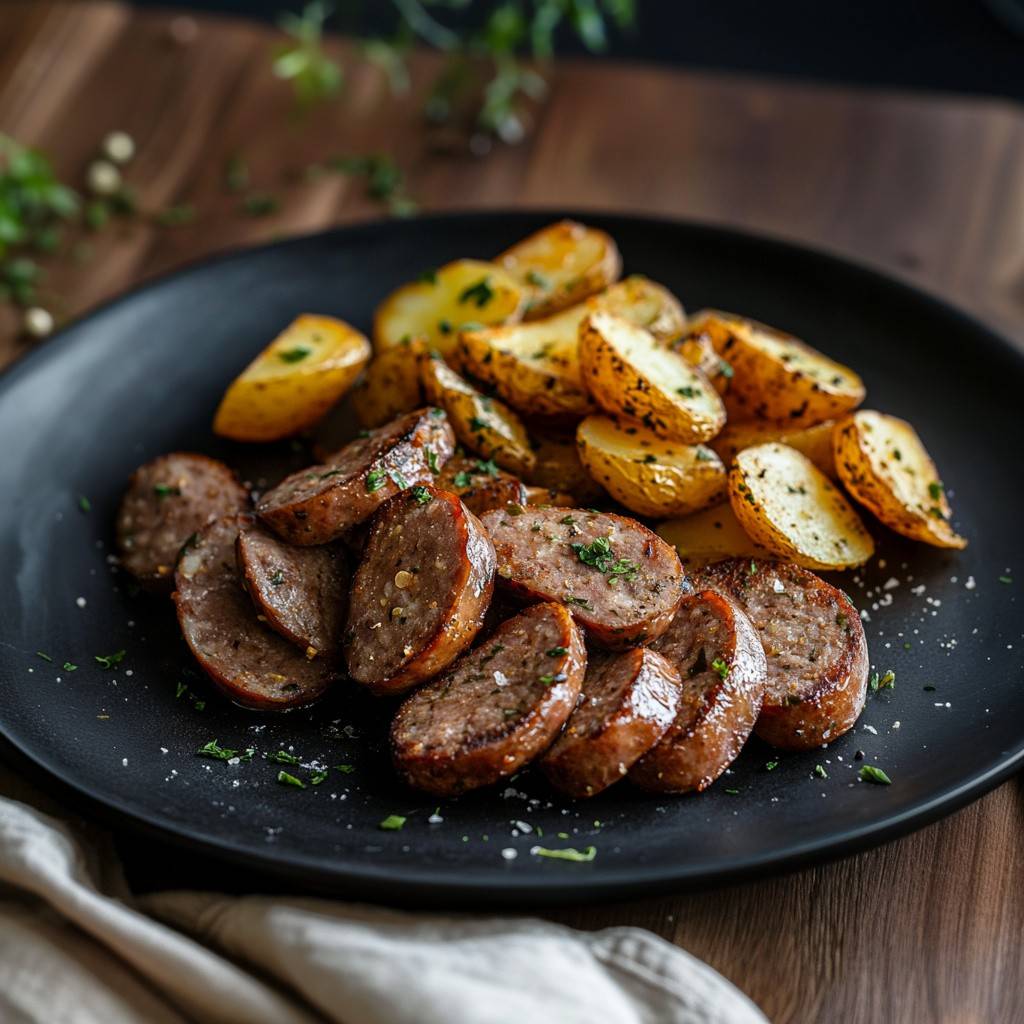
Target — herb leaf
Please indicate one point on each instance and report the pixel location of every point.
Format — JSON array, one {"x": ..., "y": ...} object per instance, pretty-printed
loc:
[
  {"x": 568, "y": 853},
  {"x": 869, "y": 773}
]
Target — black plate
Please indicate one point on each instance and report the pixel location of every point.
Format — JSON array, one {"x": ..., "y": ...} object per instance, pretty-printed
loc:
[{"x": 142, "y": 376}]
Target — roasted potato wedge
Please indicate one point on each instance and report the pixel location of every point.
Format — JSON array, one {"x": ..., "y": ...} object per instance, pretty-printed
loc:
[
  {"x": 484, "y": 425},
  {"x": 709, "y": 536},
  {"x": 776, "y": 376},
  {"x": 391, "y": 384},
  {"x": 293, "y": 382},
  {"x": 445, "y": 301},
  {"x": 645, "y": 303},
  {"x": 558, "y": 468},
  {"x": 784, "y": 502},
  {"x": 630, "y": 374},
  {"x": 650, "y": 476},
  {"x": 561, "y": 265},
  {"x": 815, "y": 442},
  {"x": 884, "y": 465},
  {"x": 533, "y": 366}
]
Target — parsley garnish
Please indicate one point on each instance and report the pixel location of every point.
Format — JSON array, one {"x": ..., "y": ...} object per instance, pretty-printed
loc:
[
  {"x": 935, "y": 489},
  {"x": 476, "y": 424},
  {"x": 703, "y": 455},
  {"x": 317, "y": 777},
  {"x": 461, "y": 479},
  {"x": 599, "y": 554},
  {"x": 581, "y": 601},
  {"x": 286, "y": 779},
  {"x": 819, "y": 770},
  {"x": 432, "y": 462},
  {"x": 869, "y": 773},
  {"x": 721, "y": 668},
  {"x": 557, "y": 652},
  {"x": 421, "y": 495},
  {"x": 375, "y": 480},
  {"x": 733, "y": 792},
  {"x": 345, "y": 769},
  {"x": 44, "y": 656},
  {"x": 283, "y": 757},
  {"x": 84, "y": 503},
  {"x": 109, "y": 660},
  {"x": 166, "y": 491},
  {"x": 1005, "y": 579},
  {"x": 886, "y": 682},
  {"x": 294, "y": 355},
  {"x": 770, "y": 766},
  {"x": 278, "y": 578},
  {"x": 578, "y": 856},
  {"x": 400, "y": 482},
  {"x": 688, "y": 392},
  {"x": 538, "y": 280},
  {"x": 214, "y": 750},
  {"x": 392, "y": 823},
  {"x": 481, "y": 293},
  {"x": 487, "y": 468},
  {"x": 550, "y": 678}
]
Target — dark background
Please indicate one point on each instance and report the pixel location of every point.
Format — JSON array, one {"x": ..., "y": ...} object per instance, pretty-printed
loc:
[{"x": 948, "y": 45}]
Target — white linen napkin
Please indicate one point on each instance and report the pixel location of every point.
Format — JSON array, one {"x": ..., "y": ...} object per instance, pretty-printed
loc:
[{"x": 76, "y": 947}]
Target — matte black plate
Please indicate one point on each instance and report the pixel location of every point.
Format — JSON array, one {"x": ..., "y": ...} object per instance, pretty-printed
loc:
[{"x": 143, "y": 375}]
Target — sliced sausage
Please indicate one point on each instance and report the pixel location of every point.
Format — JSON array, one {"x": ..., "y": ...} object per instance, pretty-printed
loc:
[
  {"x": 319, "y": 503},
  {"x": 421, "y": 591},
  {"x": 480, "y": 484},
  {"x": 629, "y": 699},
  {"x": 168, "y": 500},
  {"x": 251, "y": 663},
  {"x": 301, "y": 593},
  {"x": 496, "y": 709},
  {"x": 719, "y": 658},
  {"x": 816, "y": 648},
  {"x": 621, "y": 582}
]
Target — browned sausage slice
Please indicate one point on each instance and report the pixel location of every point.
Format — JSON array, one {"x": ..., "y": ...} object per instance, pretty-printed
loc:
[
  {"x": 168, "y": 500},
  {"x": 496, "y": 709},
  {"x": 250, "y": 662},
  {"x": 480, "y": 484},
  {"x": 719, "y": 657},
  {"x": 816, "y": 648},
  {"x": 621, "y": 582},
  {"x": 319, "y": 503},
  {"x": 302, "y": 593},
  {"x": 629, "y": 699},
  {"x": 421, "y": 591}
]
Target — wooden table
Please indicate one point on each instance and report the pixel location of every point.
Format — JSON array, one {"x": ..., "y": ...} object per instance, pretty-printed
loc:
[{"x": 924, "y": 929}]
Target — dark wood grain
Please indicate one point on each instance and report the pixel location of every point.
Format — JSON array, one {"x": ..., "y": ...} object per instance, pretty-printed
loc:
[{"x": 925, "y": 929}]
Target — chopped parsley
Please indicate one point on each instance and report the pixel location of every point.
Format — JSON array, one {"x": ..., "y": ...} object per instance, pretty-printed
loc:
[
  {"x": 1006, "y": 579},
  {"x": 538, "y": 280},
  {"x": 278, "y": 578},
  {"x": 462, "y": 479},
  {"x": 318, "y": 776},
  {"x": 581, "y": 601},
  {"x": 84, "y": 503},
  {"x": 392, "y": 823},
  {"x": 400, "y": 482},
  {"x": 935, "y": 490},
  {"x": 44, "y": 656},
  {"x": 294, "y": 355},
  {"x": 109, "y": 660},
  {"x": 375, "y": 480},
  {"x": 885, "y": 682},
  {"x": 557, "y": 652},
  {"x": 869, "y": 773},
  {"x": 476, "y": 424},
  {"x": 69, "y": 666},
  {"x": 481, "y": 293},
  {"x": 214, "y": 750},
  {"x": 549, "y": 678},
  {"x": 283, "y": 757},
  {"x": 733, "y": 792},
  {"x": 287, "y": 779},
  {"x": 421, "y": 495},
  {"x": 704, "y": 455},
  {"x": 444, "y": 326},
  {"x": 599, "y": 554},
  {"x": 487, "y": 467},
  {"x": 568, "y": 853},
  {"x": 166, "y": 491},
  {"x": 688, "y": 391},
  {"x": 432, "y": 462},
  {"x": 770, "y": 766},
  {"x": 721, "y": 668},
  {"x": 345, "y": 769},
  {"x": 819, "y": 770}
]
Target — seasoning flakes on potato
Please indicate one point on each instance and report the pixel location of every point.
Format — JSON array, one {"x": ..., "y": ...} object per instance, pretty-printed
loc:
[
  {"x": 709, "y": 536},
  {"x": 649, "y": 475},
  {"x": 390, "y": 386},
  {"x": 815, "y": 442},
  {"x": 485, "y": 425},
  {"x": 884, "y": 465},
  {"x": 561, "y": 265},
  {"x": 776, "y": 376},
  {"x": 784, "y": 502},
  {"x": 630, "y": 374},
  {"x": 294, "y": 381},
  {"x": 445, "y": 301}
]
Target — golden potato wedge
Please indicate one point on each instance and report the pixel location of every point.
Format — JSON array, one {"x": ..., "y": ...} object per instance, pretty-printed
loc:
[
  {"x": 484, "y": 425},
  {"x": 292, "y": 383},
  {"x": 815, "y": 442},
  {"x": 630, "y": 374},
  {"x": 709, "y": 536},
  {"x": 391, "y": 384},
  {"x": 561, "y": 265},
  {"x": 701, "y": 353},
  {"x": 558, "y": 468},
  {"x": 645, "y": 303},
  {"x": 445, "y": 301},
  {"x": 533, "y": 366},
  {"x": 884, "y": 465},
  {"x": 784, "y": 502},
  {"x": 650, "y": 476},
  {"x": 776, "y": 376},
  {"x": 545, "y": 497}
]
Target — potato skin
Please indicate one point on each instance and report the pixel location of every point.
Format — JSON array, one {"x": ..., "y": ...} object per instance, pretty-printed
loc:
[
  {"x": 294, "y": 381},
  {"x": 814, "y": 442},
  {"x": 646, "y": 474},
  {"x": 788, "y": 505},
  {"x": 630, "y": 375},
  {"x": 390, "y": 385},
  {"x": 561, "y": 265},
  {"x": 645, "y": 303},
  {"x": 776, "y": 376},
  {"x": 884, "y": 465}
]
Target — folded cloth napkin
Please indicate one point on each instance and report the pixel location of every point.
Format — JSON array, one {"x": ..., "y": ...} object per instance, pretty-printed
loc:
[{"x": 76, "y": 947}]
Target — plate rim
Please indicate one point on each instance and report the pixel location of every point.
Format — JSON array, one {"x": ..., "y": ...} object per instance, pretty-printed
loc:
[{"x": 553, "y": 887}]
